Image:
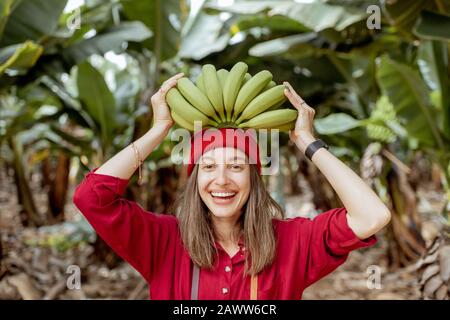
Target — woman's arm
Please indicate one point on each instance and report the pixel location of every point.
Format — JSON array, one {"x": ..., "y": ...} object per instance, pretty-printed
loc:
[
  {"x": 366, "y": 213},
  {"x": 123, "y": 164}
]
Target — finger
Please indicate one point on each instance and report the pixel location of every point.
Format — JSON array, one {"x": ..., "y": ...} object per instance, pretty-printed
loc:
[
  {"x": 169, "y": 84},
  {"x": 295, "y": 99},
  {"x": 177, "y": 76},
  {"x": 298, "y": 104},
  {"x": 291, "y": 98},
  {"x": 291, "y": 89},
  {"x": 173, "y": 78},
  {"x": 293, "y": 92}
]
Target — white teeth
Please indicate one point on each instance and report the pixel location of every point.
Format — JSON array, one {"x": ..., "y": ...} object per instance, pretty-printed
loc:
[{"x": 223, "y": 194}]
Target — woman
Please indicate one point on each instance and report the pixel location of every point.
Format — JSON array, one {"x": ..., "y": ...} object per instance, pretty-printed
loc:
[{"x": 227, "y": 240}]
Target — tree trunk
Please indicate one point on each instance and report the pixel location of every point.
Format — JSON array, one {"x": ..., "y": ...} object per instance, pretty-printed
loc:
[
  {"x": 29, "y": 214},
  {"x": 406, "y": 244},
  {"x": 58, "y": 189},
  {"x": 56, "y": 179}
]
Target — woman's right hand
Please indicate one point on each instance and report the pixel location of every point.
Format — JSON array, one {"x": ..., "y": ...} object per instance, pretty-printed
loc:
[{"x": 161, "y": 112}]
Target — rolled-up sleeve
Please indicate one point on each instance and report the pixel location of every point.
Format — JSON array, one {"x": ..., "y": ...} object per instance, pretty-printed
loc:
[
  {"x": 137, "y": 235},
  {"x": 326, "y": 242}
]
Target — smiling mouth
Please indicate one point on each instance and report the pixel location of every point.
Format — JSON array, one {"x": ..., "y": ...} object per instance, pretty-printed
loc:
[{"x": 223, "y": 195}]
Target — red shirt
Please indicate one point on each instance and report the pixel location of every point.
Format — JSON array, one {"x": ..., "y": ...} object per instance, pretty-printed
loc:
[{"x": 307, "y": 250}]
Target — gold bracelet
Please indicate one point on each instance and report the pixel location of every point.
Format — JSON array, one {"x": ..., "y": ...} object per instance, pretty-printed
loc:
[{"x": 138, "y": 163}]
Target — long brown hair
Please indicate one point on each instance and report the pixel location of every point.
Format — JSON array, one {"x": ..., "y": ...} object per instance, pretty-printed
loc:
[{"x": 256, "y": 225}]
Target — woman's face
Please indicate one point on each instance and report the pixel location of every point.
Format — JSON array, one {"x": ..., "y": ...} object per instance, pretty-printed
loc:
[{"x": 224, "y": 181}]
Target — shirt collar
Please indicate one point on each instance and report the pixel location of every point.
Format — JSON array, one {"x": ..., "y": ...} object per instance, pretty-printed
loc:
[{"x": 240, "y": 243}]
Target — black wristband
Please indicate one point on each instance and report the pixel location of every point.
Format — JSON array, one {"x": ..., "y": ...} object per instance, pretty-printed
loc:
[{"x": 313, "y": 147}]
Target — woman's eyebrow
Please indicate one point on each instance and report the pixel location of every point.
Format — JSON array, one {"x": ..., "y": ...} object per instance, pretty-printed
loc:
[
  {"x": 228, "y": 160},
  {"x": 236, "y": 158}
]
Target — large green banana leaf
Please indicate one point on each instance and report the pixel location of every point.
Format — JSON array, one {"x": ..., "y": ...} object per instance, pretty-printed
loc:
[
  {"x": 274, "y": 23},
  {"x": 336, "y": 123},
  {"x": 317, "y": 16},
  {"x": 432, "y": 25},
  {"x": 204, "y": 34},
  {"x": 410, "y": 98},
  {"x": 98, "y": 101},
  {"x": 294, "y": 43},
  {"x": 433, "y": 64},
  {"x": 164, "y": 18},
  {"x": 112, "y": 38},
  {"x": 31, "y": 20}
]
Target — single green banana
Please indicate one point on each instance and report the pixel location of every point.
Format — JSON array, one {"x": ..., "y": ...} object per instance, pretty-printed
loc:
[
  {"x": 182, "y": 122},
  {"x": 222, "y": 74},
  {"x": 196, "y": 97},
  {"x": 271, "y": 119},
  {"x": 199, "y": 83},
  {"x": 213, "y": 89},
  {"x": 270, "y": 85},
  {"x": 247, "y": 77},
  {"x": 262, "y": 102},
  {"x": 250, "y": 90},
  {"x": 286, "y": 127},
  {"x": 276, "y": 106},
  {"x": 232, "y": 85},
  {"x": 184, "y": 109}
]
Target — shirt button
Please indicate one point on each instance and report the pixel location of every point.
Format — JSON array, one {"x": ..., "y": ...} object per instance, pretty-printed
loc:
[
  {"x": 227, "y": 269},
  {"x": 224, "y": 290}
]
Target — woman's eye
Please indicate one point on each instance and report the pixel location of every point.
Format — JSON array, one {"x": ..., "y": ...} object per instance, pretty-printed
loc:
[
  {"x": 208, "y": 166},
  {"x": 236, "y": 166}
]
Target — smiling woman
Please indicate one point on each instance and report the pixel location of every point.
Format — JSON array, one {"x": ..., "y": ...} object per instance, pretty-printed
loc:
[
  {"x": 225, "y": 200},
  {"x": 228, "y": 238}
]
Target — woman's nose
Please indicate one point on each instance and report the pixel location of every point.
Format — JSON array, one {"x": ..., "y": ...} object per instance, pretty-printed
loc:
[{"x": 221, "y": 175}]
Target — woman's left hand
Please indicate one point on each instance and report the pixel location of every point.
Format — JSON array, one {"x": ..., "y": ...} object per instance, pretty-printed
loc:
[{"x": 303, "y": 133}]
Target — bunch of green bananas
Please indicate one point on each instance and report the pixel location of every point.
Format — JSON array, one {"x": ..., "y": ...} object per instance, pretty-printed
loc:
[
  {"x": 382, "y": 113},
  {"x": 235, "y": 99}
]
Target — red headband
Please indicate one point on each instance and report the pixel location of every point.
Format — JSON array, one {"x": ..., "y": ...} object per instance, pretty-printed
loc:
[{"x": 211, "y": 138}]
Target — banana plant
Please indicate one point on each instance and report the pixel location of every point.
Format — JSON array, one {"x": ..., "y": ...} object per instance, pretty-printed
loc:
[
  {"x": 425, "y": 122},
  {"x": 158, "y": 59},
  {"x": 31, "y": 37}
]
